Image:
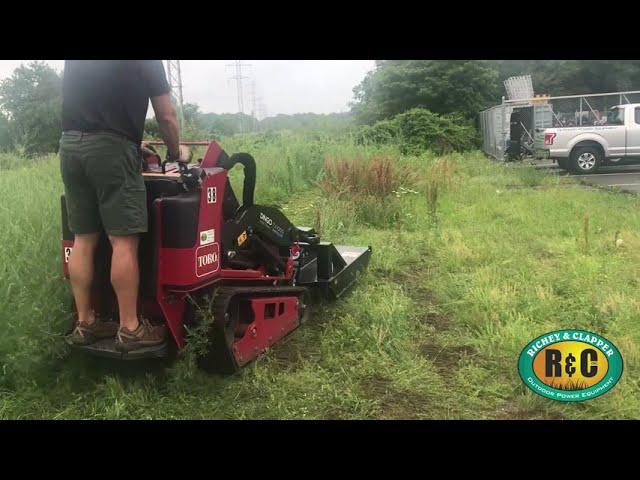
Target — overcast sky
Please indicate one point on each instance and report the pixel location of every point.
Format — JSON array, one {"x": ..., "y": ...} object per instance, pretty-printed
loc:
[{"x": 285, "y": 86}]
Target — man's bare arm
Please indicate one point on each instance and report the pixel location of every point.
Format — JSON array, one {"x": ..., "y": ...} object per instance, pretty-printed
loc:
[{"x": 167, "y": 119}]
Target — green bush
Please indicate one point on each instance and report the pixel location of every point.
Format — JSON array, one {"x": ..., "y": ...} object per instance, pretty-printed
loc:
[
  {"x": 384, "y": 131},
  {"x": 418, "y": 129}
]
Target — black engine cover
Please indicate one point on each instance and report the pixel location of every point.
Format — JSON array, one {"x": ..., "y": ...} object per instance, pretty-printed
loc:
[
  {"x": 267, "y": 222},
  {"x": 257, "y": 235}
]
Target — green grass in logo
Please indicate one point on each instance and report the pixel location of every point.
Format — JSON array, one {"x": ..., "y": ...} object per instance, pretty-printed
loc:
[{"x": 562, "y": 388}]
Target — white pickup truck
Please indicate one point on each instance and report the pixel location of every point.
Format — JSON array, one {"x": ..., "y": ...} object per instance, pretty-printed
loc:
[{"x": 585, "y": 149}]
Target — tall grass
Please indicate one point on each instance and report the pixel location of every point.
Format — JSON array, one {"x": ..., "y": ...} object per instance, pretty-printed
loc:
[
  {"x": 33, "y": 306},
  {"x": 438, "y": 178},
  {"x": 288, "y": 163},
  {"x": 433, "y": 330},
  {"x": 10, "y": 161},
  {"x": 373, "y": 187},
  {"x": 354, "y": 176}
]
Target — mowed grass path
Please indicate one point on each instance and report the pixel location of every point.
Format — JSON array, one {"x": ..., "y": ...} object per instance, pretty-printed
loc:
[{"x": 433, "y": 330}]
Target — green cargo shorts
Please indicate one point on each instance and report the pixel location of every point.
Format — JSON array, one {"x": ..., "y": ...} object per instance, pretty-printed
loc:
[{"x": 103, "y": 184}]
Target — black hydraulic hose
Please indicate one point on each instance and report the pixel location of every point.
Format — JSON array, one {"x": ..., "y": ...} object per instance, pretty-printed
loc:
[{"x": 249, "y": 186}]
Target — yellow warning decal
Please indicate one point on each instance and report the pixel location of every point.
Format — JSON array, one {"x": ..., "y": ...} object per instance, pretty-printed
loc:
[{"x": 242, "y": 238}]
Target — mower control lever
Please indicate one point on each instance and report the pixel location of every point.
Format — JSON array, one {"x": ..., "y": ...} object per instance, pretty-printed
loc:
[{"x": 186, "y": 155}]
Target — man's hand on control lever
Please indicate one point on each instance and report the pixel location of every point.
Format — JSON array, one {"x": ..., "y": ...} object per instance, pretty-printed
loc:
[
  {"x": 184, "y": 155},
  {"x": 169, "y": 128},
  {"x": 147, "y": 150}
]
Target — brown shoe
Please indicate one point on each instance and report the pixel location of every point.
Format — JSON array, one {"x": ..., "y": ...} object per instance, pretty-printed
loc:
[
  {"x": 86, "y": 334},
  {"x": 146, "y": 335}
]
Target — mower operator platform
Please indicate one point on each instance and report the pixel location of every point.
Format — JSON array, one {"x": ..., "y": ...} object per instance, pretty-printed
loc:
[
  {"x": 246, "y": 266},
  {"x": 106, "y": 348}
]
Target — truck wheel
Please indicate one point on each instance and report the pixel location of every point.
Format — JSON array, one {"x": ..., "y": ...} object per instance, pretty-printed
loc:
[
  {"x": 586, "y": 160},
  {"x": 563, "y": 163}
]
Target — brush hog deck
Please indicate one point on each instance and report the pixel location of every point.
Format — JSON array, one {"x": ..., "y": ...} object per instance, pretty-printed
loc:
[{"x": 243, "y": 266}]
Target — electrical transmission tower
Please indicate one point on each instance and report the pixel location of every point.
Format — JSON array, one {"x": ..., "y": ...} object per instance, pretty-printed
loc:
[
  {"x": 238, "y": 77},
  {"x": 262, "y": 110},
  {"x": 254, "y": 112},
  {"x": 175, "y": 82},
  {"x": 259, "y": 113}
]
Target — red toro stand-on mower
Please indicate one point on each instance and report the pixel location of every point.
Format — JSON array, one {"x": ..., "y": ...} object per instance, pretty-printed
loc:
[{"x": 260, "y": 270}]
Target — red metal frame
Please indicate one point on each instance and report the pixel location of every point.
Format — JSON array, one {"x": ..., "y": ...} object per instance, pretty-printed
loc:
[
  {"x": 181, "y": 271},
  {"x": 272, "y": 318}
]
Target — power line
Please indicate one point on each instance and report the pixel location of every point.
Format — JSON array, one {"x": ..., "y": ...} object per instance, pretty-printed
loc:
[
  {"x": 175, "y": 82},
  {"x": 238, "y": 77},
  {"x": 262, "y": 110},
  {"x": 258, "y": 113},
  {"x": 254, "y": 112}
]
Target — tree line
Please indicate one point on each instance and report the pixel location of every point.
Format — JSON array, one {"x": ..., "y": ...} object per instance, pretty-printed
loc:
[
  {"x": 30, "y": 99},
  {"x": 469, "y": 86},
  {"x": 199, "y": 125}
]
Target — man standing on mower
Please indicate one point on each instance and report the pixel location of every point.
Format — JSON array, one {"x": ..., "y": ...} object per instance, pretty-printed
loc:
[{"x": 104, "y": 108}]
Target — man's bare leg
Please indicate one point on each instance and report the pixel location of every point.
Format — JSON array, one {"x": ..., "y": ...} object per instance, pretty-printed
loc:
[
  {"x": 81, "y": 274},
  {"x": 125, "y": 277}
]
